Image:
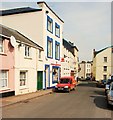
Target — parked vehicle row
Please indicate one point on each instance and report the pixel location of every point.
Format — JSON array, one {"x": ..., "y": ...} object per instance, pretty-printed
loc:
[{"x": 108, "y": 85}]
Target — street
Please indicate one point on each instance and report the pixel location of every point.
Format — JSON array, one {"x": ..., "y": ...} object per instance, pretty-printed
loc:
[{"x": 86, "y": 101}]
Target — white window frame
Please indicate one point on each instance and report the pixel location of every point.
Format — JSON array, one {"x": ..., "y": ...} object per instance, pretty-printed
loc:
[
  {"x": 27, "y": 51},
  {"x": 26, "y": 72},
  {"x": 4, "y": 87}
]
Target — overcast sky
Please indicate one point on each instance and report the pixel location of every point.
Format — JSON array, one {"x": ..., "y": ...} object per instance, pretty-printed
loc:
[{"x": 87, "y": 24}]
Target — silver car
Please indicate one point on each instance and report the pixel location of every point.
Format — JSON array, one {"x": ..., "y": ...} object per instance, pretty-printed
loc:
[{"x": 110, "y": 95}]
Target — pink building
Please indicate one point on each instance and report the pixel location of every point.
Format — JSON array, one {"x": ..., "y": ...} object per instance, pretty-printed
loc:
[{"x": 6, "y": 66}]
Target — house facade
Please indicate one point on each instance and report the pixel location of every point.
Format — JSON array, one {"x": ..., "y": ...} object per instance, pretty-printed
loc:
[
  {"x": 44, "y": 27},
  {"x": 85, "y": 69},
  {"x": 102, "y": 63},
  {"x": 19, "y": 57},
  {"x": 69, "y": 60}
]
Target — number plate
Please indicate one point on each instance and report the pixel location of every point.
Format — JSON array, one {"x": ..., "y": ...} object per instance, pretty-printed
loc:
[{"x": 60, "y": 88}]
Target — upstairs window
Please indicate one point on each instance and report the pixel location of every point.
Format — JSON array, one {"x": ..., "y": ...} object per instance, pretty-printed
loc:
[
  {"x": 57, "y": 50},
  {"x": 57, "y": 30},
  {"x": 49, "y": 24},
  {"x": 1, "y": 45},
  {"x": 105, "y": 68},
  {"x": 27, "y": 51},
  {"x": 105, "y": 59},
  {"x": 39, "y": 55},
  {"x": 3, "y": 79},
  {"x": 49, "y": 47}
]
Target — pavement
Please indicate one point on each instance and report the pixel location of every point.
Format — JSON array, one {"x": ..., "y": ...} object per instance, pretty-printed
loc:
[{"x": 6, "y": 101}]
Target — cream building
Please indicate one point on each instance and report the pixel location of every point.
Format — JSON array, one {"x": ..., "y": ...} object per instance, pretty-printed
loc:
[
  {"x": 102, "y": 63},
  {"x": 70, "y": 59},
  {"x": 85, "y": 69},
  {"x": 44, "y": 27}
]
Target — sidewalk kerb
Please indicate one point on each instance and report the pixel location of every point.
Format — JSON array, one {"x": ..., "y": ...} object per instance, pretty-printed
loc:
[{"x": 26, "y": 99}]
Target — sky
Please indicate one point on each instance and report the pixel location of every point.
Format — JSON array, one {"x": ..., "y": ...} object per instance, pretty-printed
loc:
[{"x": 87, "y": 24}]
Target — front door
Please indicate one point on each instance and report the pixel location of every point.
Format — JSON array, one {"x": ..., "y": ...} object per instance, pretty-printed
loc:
[
  {"x": 47, "y": 76},
  {"x": 39, "y": 80}
]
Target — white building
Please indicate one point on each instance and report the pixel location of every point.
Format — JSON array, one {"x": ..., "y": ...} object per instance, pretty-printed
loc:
[
  {"x": 102, "y": 63},
  {"x": 44, "y": 27},
  {"x": 70, "y": 59},
  {"x": 85, "y": 69}
]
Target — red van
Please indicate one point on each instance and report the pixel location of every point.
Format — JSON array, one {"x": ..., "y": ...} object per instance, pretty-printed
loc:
[{"x": 66, "y": 83}]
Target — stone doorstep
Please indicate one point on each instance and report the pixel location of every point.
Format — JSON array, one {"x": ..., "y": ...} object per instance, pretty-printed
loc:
[{"x": 24, "y": 97}]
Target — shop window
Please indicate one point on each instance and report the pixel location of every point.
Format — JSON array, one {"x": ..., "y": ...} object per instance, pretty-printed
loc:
[{"x": 56, "y": 76}]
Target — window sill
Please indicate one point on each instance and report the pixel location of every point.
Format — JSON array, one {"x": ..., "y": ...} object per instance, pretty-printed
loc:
[
  {"x": 1, "y": 53},
  {"x": 23, "y": 87},
  {"x": 4, "y": 89},
  {"x": 40, "y": 60},
  {"x": 28, "y": 58}
]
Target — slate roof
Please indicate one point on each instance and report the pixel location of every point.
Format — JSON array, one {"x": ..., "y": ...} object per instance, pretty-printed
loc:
[
  {"x": 18, "y": 11},
  {"x": 97, "y": 52},
  {"x": 69, "y": 46},
  {"x": 6, "y": 31}
]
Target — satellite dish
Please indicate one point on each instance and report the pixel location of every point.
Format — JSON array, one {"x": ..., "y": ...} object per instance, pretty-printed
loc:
[{"x": 13, "y": 41}]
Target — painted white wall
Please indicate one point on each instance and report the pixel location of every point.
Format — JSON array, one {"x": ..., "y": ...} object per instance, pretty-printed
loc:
[
  {"x": 25, "y": 64},
  {"x": 34, "y": 26}
]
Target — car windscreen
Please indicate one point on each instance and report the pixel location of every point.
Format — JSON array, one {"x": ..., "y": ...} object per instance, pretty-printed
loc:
[{"x": 63, "y": 81}]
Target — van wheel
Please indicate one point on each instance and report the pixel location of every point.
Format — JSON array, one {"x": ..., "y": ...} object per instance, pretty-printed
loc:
[{"x": 69, "y": 89}]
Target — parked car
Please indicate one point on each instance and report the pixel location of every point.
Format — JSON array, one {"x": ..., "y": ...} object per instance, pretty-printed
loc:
[
  {"x": 88, "y": 78},
  {"x": 66, "y": 83},
  {"x": 110, "y": 96},
  {"x": 107, "y": 86},
  {"x": 101, "y": 83}
]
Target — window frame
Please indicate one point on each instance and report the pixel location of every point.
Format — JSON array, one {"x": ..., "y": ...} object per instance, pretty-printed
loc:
[
  {"x": 2, "y": 45},
  {"x": 51, "y": 22},
  {"x": 27, "y": 53},
  {"x": 57, "y": 44},
  {"x": 49, "y": 40},
  {"x": 57, "y": 27},
  {"x": 26, "y": 73},
  {"x": 105, "y": 68},
  {"x": 4, "y": 87},
  {"x": 105, "y": 59}
]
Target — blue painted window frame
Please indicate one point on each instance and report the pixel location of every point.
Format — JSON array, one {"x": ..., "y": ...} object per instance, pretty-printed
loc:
[
  {"x": 58, "y": 74},
  {"x": 57, "y": 27},
  {"x": 49, "y": 75},
  {"x": 57, "y": 43},
  {"x": 49, "y": 40},
  {"x": 50, "y": 20}
]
